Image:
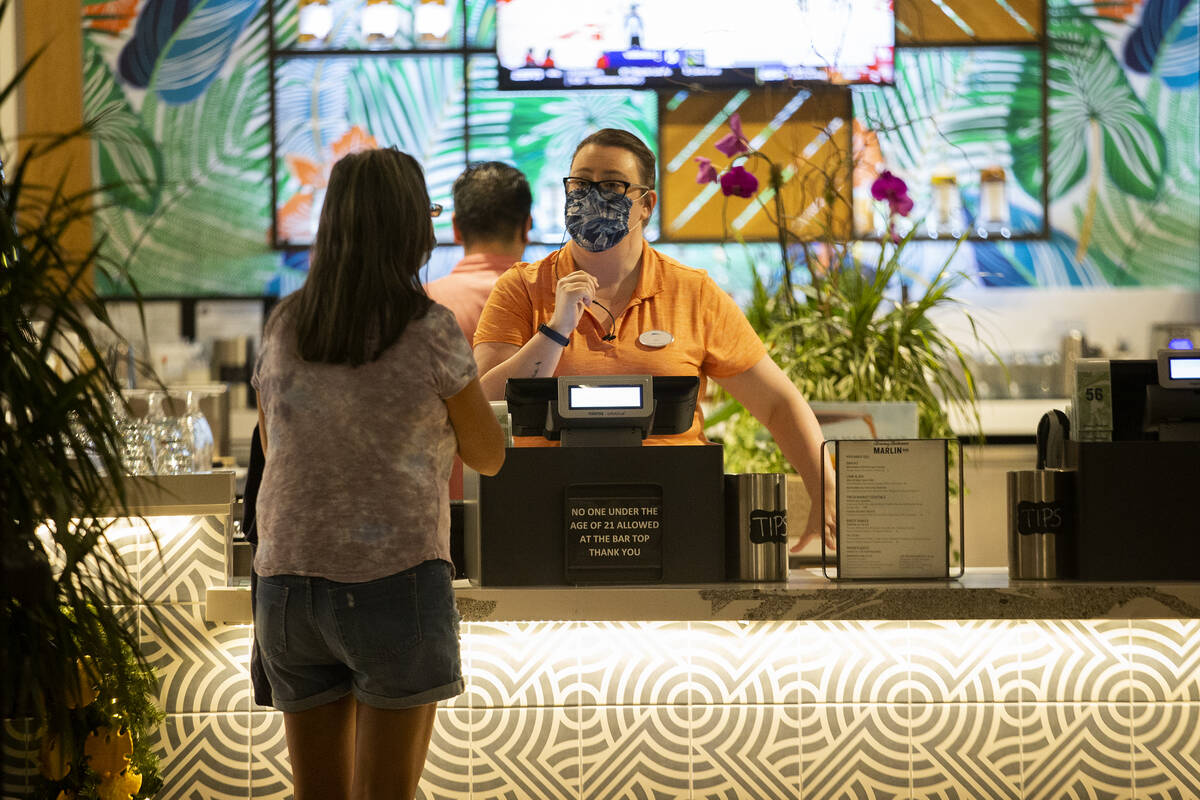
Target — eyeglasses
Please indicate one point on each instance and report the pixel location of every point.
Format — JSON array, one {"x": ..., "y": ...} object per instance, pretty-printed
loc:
[
  {"x": 619, "y": 188},
  {"x": 435, "y": 209}
]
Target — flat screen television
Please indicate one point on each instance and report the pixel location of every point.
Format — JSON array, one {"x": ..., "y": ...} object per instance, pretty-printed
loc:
[{"x": 653, "y": 44}]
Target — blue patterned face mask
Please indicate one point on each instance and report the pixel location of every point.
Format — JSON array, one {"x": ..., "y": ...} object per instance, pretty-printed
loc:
[{"x": 597, "y": 220}]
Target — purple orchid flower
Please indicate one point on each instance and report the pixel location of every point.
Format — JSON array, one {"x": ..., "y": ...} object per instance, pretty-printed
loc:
[
  {"x": 734, "y": 142},
  {"x": 893, "y": 189},
  {"x": 738, "y": 182},
  {"x": 707, "y": 173}
]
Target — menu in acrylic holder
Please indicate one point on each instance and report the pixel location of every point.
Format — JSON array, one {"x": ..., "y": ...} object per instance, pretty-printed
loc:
[{"x": 893, "y": 509}]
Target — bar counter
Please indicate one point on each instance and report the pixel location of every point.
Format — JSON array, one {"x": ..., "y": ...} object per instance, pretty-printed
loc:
[
  {"x": 976, "y": 688},
  {"x": 981, "y": 594}
]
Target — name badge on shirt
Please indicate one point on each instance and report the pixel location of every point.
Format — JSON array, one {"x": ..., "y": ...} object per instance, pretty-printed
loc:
[{"x": 656, "y": 338}]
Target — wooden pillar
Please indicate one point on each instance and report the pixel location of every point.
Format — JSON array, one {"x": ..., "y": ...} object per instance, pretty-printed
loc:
[{"x": 50, "y": 102}]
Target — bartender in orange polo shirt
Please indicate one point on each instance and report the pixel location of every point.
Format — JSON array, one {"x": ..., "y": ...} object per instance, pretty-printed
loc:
[{"x": 609, "y": 304}]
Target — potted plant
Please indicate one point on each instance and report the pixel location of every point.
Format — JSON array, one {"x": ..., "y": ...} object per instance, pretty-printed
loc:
[
  {"x": 68, "y": 659},
  {"x": 841, "y": 318}
]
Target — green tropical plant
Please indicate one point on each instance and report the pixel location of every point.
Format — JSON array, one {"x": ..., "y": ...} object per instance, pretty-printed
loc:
[
  {"x": 842, "y": 327},
  {"x": 68, "y": 659}
]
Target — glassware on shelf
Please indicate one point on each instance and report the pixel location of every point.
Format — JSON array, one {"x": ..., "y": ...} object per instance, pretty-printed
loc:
[
  {"x": 380, "y": 22},
  {"x": 432, "y": 21},
  {"x": 315, "y": 23},
  {"x": 137, "y": 443},
  {"x": 200, "y": 432},
  {"x": 993, "y": 203},
  {"x": 173, "y": 449},
  {"x": 945, "y": 219}
]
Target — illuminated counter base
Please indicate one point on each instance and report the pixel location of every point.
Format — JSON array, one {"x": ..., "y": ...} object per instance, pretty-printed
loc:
[
  {"x": 973, "y": 689},
  {"x": 970, "y": 689}
]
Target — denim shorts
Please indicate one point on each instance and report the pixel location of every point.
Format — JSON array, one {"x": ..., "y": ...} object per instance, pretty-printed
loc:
[{"x": 393, "y": 642}]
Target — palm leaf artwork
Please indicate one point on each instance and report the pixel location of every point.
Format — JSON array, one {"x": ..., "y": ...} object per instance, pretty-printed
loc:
[
  {"x": 481, "y": 23},
  {"x": 1099, "y": 126},
  {"x": 950, "y": 110},
  {"x": 1040, "y": 263},
  {"x": 417, "y": 105},
  {"x": 128, "y": 160},
  {"x": 538, "y": 133},
  {"x": 330, "y": 106},
  {"x": 1177, "y": 63},
  {"x": 206, "y": 234},
  {"x": 1154, "y": 242},
  {"x": 179, "y": 46}
]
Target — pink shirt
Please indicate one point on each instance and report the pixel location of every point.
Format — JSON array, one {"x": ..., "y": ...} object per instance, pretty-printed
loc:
[
  {"x": 466, "y": 288},
  {"x": 358, "y": 458}
]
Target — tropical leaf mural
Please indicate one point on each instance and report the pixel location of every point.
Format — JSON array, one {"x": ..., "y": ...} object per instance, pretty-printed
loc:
[
  {"x": 179, "y": 46},
  {"x": 207, "y": 233},
  {"x": 1155, "y": 241},
  {"x": 953, "y": 111},
  {"x": 415, "y": 104},
  {"x": 180, "y": 93},
  {"x": 538, "y": 131},
  {"x": 128, "y": 159}
]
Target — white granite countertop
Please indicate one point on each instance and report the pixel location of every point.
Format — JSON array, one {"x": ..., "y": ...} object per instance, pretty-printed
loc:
[{"x": 980, "y": 594}]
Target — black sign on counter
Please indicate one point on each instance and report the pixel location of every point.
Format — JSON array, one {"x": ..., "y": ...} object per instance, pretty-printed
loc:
[{"x": 614, "y": 533}]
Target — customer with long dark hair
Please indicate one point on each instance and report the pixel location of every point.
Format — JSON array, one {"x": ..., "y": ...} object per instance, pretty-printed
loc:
[{"x": 367, "y": 388}]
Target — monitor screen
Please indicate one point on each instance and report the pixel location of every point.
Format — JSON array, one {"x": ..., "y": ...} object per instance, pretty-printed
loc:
[
  {"x": 530, "y": 399},
  {"x": 591, "y": 396},
  {"x": 1184, "y": 368},
  {"x": 605, "y": 44}
]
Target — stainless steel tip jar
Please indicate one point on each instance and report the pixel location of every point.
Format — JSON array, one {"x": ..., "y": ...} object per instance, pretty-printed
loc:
[{"x": 756, "y": 527}]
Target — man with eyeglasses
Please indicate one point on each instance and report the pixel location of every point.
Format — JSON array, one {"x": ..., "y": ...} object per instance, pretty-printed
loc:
[{"x": 609, "y": 304}]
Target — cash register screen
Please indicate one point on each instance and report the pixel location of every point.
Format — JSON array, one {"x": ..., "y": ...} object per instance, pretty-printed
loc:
[
  {"x": 1184, "y": 368},
  {"x": 605, "y": 397},
  {"x": 674, "y": 400}
]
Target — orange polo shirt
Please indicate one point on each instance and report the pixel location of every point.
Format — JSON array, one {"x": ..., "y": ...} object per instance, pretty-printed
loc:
[{"x": 712, "y": 336}]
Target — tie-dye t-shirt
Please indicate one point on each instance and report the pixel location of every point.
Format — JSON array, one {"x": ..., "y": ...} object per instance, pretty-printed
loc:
[{"x": 358, "y": 458}]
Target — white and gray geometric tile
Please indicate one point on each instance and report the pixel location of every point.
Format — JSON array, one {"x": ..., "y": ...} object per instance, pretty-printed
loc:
[
  {"x": 625, "y": 663},
  {"x": 189, "y": 558},
  {"x": 1075, "y": 661},
  {"x": 969, "y": 661},
  {"x": 127, "y": 536},
  {"x": 854, "y": 750},
  {"x": 1165, "y": 659},
  {"x": 270, "y": 767},
  {"x": 966, "y": 751},
  {"x": 854, "y": 662},
  {"x": 19, "y": 758},
  {"x": 202, "y": 666},
  {"x": 203, "y": 756},
  {"x": 745, "y": 751},
  {"x": 1076, "y": 751},
  {"x": 744, "y": 662},
  {"x": 525, "y": 752},
  {"x": 635, "y": 752},
  {"x": 448, "y": 765},
  {"x": 1166, "y": 751},
  {"x": 519, "y": 664}
]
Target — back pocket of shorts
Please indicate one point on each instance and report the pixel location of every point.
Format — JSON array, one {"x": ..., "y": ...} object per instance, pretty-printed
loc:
[
  {"x": 270, "y": 614},
  {"x": 378, "y": 620}
]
